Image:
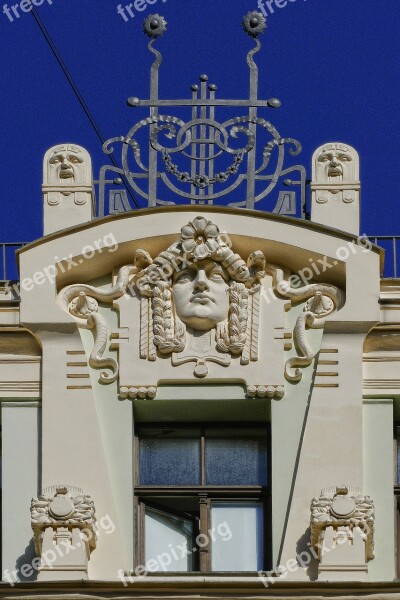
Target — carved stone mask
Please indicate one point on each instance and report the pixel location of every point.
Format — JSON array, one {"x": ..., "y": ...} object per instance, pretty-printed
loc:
[
  {"x": 335, "y": 163},
  {"x": 65, "y": 162},
  {"x": 200, "y": 293}
]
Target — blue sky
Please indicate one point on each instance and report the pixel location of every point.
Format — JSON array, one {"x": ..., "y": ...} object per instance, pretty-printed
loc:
[{"x": 334, "y": 64}]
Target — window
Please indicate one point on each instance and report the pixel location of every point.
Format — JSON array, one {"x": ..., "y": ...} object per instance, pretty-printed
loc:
[
  {"x": 397, "y": 491},
  {"x": 202, "y": 497}
]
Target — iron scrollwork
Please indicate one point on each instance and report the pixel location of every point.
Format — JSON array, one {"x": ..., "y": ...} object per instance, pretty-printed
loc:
[{"x": 203, "y": 160}]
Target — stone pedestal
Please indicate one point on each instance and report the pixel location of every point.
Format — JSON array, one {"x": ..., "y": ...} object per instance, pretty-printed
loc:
[
  {"x": 342, "y": 528},
  {"x": 63, "y": 521}
]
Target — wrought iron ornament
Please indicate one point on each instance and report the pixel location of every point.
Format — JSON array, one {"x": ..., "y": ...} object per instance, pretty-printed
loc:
[{"x": 166, "y": 160}]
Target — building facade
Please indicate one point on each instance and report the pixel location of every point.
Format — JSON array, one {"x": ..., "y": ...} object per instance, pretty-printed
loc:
[{"x": 200, "y": 399}]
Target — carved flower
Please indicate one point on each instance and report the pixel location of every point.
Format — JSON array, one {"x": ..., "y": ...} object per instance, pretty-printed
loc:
[
  {"x": 254, "y": 23},
  {"x": 155, "y": 25},
  {"x": 200, "y": 238}
]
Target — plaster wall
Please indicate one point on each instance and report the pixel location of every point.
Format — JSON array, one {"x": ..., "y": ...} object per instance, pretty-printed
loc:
[{"x": 20, "y": 481}]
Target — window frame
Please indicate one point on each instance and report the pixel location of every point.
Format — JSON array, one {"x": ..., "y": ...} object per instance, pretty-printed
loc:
[
  {"x": 396, "y": 491},
  {"x": 206, "y": 494}
]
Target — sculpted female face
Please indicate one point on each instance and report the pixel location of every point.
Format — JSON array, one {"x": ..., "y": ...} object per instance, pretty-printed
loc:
[{"x": 201, "y": 296}]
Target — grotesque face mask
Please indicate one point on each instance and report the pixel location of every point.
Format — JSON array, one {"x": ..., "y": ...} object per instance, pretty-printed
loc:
[
  {"x": 65, "y": 161},
  {"x": 335, "y": 163}
]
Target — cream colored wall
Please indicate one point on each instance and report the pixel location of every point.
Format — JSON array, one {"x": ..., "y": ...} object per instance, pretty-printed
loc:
[
  {"x": 115, "y": 419},
  {"x": 288, "y": 424},
  {"x": 332, "y": 450},
  {"x": 73, "y": 450}
]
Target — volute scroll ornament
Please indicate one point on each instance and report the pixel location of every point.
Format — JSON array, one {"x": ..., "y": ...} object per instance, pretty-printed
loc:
[
  {"x": 81, "y": 302},
  {"x": 322, "y": 300}
]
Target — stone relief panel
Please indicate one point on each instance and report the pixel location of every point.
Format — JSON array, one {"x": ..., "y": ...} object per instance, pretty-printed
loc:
[
  {"x": 336, "y": 173},
  {"x": 67, "y": 169},
  {"x": 64, "y": 527},
  {"x": 342, "y": 529},
  {"x": 200, "y": 311},
  {"x": 62, "y": 506}
]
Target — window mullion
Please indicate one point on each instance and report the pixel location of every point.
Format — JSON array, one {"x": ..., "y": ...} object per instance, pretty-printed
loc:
[
  {"x": 140, "y": 509},
  {"x": 203, "y": 456},
  {"x": 204, "y": 550}
]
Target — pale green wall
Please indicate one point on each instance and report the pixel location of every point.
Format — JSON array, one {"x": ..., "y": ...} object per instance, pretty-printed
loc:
[
  {"x": 20, "y": 461},
  {"x": 378, "y": 482}
]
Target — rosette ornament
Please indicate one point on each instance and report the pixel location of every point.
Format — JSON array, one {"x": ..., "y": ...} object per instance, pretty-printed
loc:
[
  {"x": 155, "y": 26},
  {"x": 199, "y": 239},
  {"x": 254, "y": 23}
]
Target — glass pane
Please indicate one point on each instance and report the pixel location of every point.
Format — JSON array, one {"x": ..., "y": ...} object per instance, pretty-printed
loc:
[
  {"x": 169, "y": 457},
  {"x": 238, "y": 541},
  {"x": 236, "y": 457},
  {"x": 398, "y": 455},
  {"x": 165, "y": 536}
]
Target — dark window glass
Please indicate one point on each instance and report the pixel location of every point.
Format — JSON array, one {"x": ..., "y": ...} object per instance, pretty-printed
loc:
[
  {"x": 236, "y": 457},
  {"x": 398, "y": 455},
  {"x": 169, "y": 457}
]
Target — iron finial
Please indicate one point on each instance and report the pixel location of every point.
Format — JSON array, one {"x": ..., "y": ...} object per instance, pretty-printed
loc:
[
  {"x": 154, "y": 26},
  {"x": 254, "y": 23}
]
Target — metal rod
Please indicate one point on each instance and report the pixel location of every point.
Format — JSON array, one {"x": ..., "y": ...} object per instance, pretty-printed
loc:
[
  {"x": 4, "y": 262},
  {"x": 153, "y": 155},
  {"x": 193, "y": 162},
  {"x": 212, "y": 139},
  {"x": 200, "y": 102},
  {"x": 203, "y": 132},
  {"x": 251, "y": 157}
]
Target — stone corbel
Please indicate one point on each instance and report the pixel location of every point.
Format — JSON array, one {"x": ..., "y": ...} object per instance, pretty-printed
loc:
[
  {"x": 64, "y": 528},
  {"x": 342, "y": 532}
]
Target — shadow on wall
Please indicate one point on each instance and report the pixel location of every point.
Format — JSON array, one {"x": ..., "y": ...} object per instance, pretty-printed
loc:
[
  {"x": 306, "y": 557},
  {"x": 24, "y": 567}
]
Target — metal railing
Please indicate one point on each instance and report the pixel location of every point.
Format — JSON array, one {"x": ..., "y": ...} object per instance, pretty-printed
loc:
[
  {"x": 8, "y": 260},
  {"x": 390, "y": 243}
]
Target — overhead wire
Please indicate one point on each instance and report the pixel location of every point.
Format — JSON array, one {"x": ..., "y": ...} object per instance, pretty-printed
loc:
[{"x": 78, "y": 95}]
